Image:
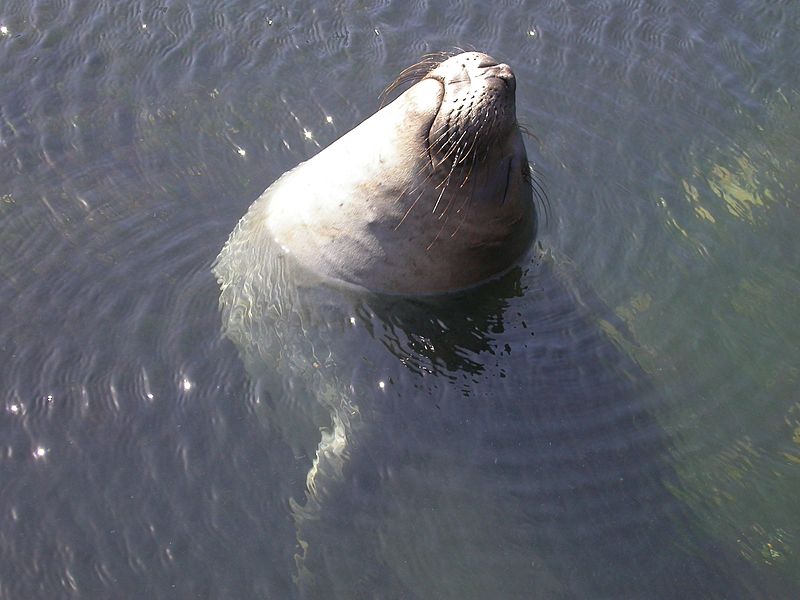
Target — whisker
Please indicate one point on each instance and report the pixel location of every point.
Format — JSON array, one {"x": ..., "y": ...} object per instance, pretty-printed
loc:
[
  {"x": 463, "y": 210},
  {"x": 438, "y": 234},
  {"x": 469, "y": 172},
  {"x": 454, "y": 148},
  {"x": 408, "y": 212},
  {"x": 414, "y": 73},
  {"x": 450, "y": 201},
  {"x": 532, "y": 178},
  {"x": 527, "y": 131},
  {"x": 446, "y": 181}
]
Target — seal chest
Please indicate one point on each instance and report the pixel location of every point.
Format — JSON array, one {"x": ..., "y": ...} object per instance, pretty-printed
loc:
[{"x": 431, "y": 194}]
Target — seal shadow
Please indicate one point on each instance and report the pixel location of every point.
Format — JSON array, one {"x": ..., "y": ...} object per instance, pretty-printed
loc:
[{"x": 492, "y": 443}]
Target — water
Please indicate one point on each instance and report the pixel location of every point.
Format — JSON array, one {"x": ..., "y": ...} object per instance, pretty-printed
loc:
[{"x": 618, "y": 418}]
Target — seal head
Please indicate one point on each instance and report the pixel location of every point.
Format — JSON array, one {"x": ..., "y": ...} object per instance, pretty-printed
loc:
[{"x": 431, "y": 194}]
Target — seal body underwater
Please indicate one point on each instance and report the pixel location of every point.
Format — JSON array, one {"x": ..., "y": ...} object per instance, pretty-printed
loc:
[
  {"x": 443, "y": 450},
  {"x": 430, "y": 194}
]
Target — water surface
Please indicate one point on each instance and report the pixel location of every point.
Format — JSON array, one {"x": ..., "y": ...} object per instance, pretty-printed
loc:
[{"x": 618, "y": 418}]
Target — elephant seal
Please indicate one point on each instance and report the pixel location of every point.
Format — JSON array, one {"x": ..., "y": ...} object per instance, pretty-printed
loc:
[{"x": 431, "y": 194}]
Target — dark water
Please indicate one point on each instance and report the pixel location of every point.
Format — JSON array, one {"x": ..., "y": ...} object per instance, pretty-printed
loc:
[{"x": 618, "y": 418}]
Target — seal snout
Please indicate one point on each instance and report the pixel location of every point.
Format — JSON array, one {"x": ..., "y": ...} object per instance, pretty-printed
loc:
[
  {"x": 481, "y": 66},
  {"x": 477, "y": 106},
  {"x": 503, "y": 73}
]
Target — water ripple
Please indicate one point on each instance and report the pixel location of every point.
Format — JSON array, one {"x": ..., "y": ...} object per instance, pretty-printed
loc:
[{"x": 136, "y": 450}]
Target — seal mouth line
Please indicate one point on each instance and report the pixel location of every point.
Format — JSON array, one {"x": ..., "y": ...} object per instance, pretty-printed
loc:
[{"x": 508, "y": 180}]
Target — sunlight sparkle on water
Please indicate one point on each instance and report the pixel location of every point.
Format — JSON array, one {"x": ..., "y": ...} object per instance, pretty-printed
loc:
[
  {"x": 186, "y": 385},
  {"x": 3, "y": 30},
  {"x": 40, "y": 452},
  {"x": 308, "y": 135},
  {"x": 14, "y": 409},
  {"x": 382, "y": 384}
]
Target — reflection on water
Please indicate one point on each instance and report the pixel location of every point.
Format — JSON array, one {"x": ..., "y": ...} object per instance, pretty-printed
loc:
[
  {"x": 737, "y": 477},
  {"x": 499, "y": 445},
  {"x": 638, "y": 388}
]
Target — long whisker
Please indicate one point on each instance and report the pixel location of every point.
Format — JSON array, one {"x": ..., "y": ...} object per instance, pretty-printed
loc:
[
  {"x": 415, "y": 72},
  {"x": 444, "y": 187},
  {"x": 533, "y": 178},
  {"x": 527, "y": 131},
  {"x": 476, "y": 136},
  {"x": 410, "y": 208},
  {"x": 454, "y": 149},
  {"x": 469, "y": 172},
  {"x": 463, "y": 210},
  {"x": 450, "y": 200},
  {"x": 421, "y": 184}
]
